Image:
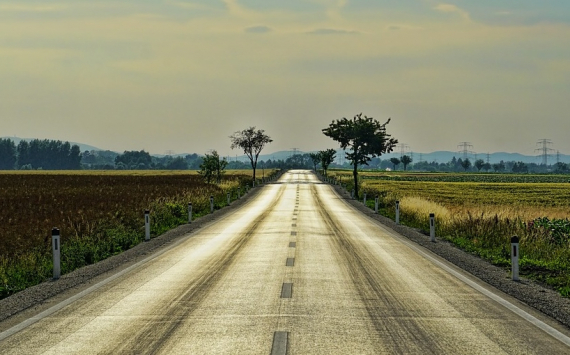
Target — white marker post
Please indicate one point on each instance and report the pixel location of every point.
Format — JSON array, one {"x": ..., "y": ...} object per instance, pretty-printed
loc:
[
  {"x": 515, "y": 257},
  {"x": 432, "y": 227},
  {"x": 364, "y": 199},
  {"x": 352, "y": 194},
  {"x": 397, "y": 212},
  {"x": 211, "y": 204},
  {"x": 229, "y": 198},
  {"x": 376, "y": 204},
  {"x": 239, "y": 193},
  {"x": 189, "y": 212},
  {"x": 147, "y": 225},
  {"x": 56, "y": 249}
]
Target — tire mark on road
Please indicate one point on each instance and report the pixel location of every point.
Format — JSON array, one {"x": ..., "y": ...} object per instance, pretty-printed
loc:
[
  {"x": 359, "y": 263},
  {"x": 152, "y": 337}
]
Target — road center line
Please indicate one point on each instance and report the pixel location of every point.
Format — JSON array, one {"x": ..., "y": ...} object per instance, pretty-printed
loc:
[
  {"x": 280, "y": 343},
  {"x": 287, "y": 290}
]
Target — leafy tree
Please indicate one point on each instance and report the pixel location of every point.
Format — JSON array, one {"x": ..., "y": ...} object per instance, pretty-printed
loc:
[
  {"x": 7, "y": 154},
  {"x": 177, "y": 163},
  {"x": 366, "y": 138},
  {"x": 316, "y": 159},
  {"x": 406, "y": 160},
  {"x": 519, "y": 167},
  {"x": 327, "y": 157},
  {"x": 193, "y": 160},
  {"x": 49, "y": 154},
  {"x": 24, "y": 159},
  {"x": 135, "y": 160},
  {"x": 395, "y": 162},
  {"x": 252, "y": 142},
  {"x": 487, "y": 166},
  {"x": 499, "y": 167},
  {"x": 212, "y": 167},
  {"x": 479, "y": 164},
  {"x": 561, "y": 167},
  {"x": 466, "y": 164}
]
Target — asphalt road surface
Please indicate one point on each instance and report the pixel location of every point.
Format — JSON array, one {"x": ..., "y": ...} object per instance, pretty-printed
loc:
[{"x": 296, "y": 270}]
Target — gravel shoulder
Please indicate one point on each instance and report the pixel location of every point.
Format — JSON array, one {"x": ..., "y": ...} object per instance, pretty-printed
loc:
[{"x": 36, "y": 299}]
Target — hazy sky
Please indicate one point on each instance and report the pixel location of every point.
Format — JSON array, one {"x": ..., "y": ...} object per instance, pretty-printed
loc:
[{"x": 184, "y": 75}]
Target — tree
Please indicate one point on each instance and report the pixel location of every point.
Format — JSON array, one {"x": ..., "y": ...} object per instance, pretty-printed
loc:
[
  {"x": 499, "y": 167},
  {"x": 406, "y": 160},
  {"x": 519, "y": 167},
  {"x": 561, "y": 167},
  {"x": 487, "y": 166},
  {"x": 316, "y": 159},
  {"x": 466, "y": 164},
  {"x": 7, "y": 154},
  {"x": 395, "y": 162},
  {"x": 327, "y": 157},
  {"x": 366, "y": 138},
  {"x": 252, "y": 142},
  {"x": 134, "y": 160},
  {"x": 212, "y": 167},
  {"x": 177, "y": 163},
  {"x": 479, "y": 164}
]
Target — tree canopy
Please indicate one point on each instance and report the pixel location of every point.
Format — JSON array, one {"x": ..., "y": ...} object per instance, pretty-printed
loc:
[
  {"x": 327, "y": 157},
  {"x": 212, "y": 167},
  {"x": 252, "y": 142},
  {"x": 364, "y": 136}
]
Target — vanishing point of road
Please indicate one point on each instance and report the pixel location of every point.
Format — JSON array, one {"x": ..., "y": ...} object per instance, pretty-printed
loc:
[{"x": 295, "y": 270}]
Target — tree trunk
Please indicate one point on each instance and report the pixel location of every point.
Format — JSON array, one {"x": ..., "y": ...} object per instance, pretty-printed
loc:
[{"x": 355, "y": 174}]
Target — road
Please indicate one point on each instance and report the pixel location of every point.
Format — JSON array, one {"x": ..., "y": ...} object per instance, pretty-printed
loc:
[{"x": 296, "y": 270}]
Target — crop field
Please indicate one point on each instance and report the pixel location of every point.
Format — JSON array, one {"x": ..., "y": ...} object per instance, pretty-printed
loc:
[
  {"x": 481, "y": 212},
  {"x": 99, "y": 214}
]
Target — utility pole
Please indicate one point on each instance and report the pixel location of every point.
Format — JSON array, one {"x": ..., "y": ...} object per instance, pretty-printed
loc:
[
  {"x": 465, "y": 146},
  {"x": 544, "y": 149}
]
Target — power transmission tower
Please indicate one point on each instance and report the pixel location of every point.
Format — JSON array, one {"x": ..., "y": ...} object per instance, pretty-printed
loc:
[
  {"x": 544, "y": 149},
  {"x": 421, "y": 157},
  {"x": 403, "y": 149},
  {"x": 169, "y": 152},
  {"x": 465, "y": 146},
  {"x": 488, "y": 158},
  {"x": 557, "y": 157},
  {"x": 294, "y": 151}
]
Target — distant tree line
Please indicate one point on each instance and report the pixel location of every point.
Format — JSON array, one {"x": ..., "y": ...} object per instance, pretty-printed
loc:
[
  {"x": 39, "y": 154},
  {"x": 405, "y": 162}
]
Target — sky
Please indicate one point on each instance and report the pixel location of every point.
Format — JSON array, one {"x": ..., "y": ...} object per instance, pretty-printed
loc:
[{"x": 182, "y": 76}]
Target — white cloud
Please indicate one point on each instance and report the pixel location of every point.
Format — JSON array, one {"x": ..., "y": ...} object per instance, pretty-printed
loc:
[{"x": 450, "y": 8}]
